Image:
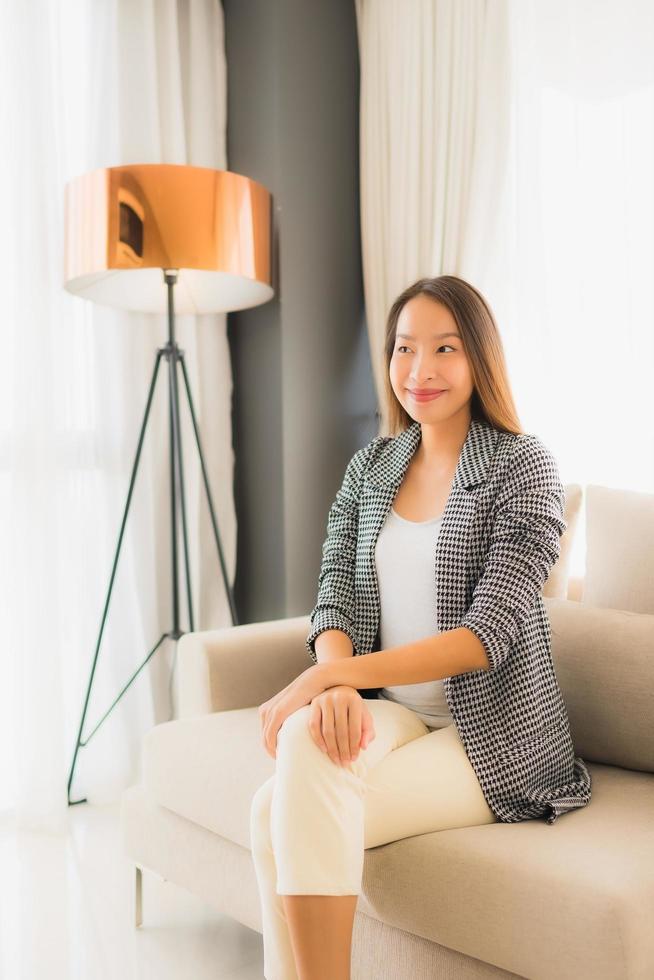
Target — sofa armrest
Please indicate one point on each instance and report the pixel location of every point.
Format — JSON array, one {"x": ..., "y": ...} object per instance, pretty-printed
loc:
[{"x": 239, "y": 666}]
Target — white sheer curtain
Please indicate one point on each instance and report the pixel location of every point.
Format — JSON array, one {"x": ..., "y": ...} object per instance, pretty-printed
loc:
[
  {"x": 434, "y": 130},
  {"x": 511, "y": 142},
  {"x": 87, "y": 85},
  {"x": 580, "y": 325}
]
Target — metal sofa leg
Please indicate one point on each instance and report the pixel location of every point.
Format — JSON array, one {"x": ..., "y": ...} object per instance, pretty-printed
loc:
[{"x": 138, "y": 898}]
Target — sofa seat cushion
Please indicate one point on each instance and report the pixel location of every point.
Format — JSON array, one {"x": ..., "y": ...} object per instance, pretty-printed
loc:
[
  {"x": 568, "y": 900},
  {"x": 207, "y": 768}
]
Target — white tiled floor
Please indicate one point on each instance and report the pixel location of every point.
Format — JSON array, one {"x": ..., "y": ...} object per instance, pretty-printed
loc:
[{"x": 67, "y": 913}]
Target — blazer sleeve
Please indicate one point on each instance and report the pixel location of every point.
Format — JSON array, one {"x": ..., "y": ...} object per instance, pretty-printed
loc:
[
  {"x": 335, "y": 606},
  {"x": 525, "y": 544}
]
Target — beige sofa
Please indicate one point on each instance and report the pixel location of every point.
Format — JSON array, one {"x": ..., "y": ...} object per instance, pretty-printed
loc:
[{"x": 570, "y": 901}]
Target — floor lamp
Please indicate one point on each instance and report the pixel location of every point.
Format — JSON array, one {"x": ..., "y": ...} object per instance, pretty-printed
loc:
[{"x": 161, "y": 238}]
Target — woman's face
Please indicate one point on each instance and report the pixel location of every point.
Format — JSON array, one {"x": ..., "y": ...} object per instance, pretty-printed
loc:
[{"x": 423, "y": 360}]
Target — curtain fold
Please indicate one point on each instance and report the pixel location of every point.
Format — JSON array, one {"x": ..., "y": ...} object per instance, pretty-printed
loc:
[{"x": 92, "y": 85}]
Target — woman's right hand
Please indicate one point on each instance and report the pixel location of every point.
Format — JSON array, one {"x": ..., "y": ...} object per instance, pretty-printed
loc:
[{"x": 340, "y": 723}]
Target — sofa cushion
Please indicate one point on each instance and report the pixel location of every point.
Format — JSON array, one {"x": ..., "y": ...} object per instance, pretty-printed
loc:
[
  {"x": 619, "y": 549},
  {"x": 570, "y": 900},
  {"x": 208, "y": 768},
  {"x": 604, "y": 662}
]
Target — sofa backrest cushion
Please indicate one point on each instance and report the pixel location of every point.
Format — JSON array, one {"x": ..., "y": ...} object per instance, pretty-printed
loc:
[
  {"x": 619, "y": 567},
  {"x": 604, "y": 663}
]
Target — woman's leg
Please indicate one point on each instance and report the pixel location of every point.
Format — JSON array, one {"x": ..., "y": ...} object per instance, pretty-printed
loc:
[
  {"x": 307, "y": 919},
  {"x": 393, "y": 726},
  {"x": 278, "y": 957},
  {"x": 423, "y": 786},
  {"x": 317, "y": 818},
  {"x": 317, "y": 807},
  {"x": 320, "y": 927},
  {"x": 285, "y": 916}
]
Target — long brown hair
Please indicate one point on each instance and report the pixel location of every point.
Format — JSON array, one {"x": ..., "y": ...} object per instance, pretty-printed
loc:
[{"x": 492, "y": 400}]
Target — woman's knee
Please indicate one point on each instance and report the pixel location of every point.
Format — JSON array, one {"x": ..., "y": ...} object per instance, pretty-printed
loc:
[{"x": 296, "y": 725}]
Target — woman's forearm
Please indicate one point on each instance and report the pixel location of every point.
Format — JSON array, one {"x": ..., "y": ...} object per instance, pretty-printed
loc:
[{"x": 456, "y": 651}]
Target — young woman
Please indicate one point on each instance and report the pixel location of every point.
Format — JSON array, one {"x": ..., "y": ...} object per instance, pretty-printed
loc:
[{"x": 432, "y": 702}]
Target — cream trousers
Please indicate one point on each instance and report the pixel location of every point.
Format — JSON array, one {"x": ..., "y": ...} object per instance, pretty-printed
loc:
[{"x": 312, "y": 820}]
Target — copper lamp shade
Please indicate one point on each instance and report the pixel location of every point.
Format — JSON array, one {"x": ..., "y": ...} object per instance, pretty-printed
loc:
[{"x": 123, "y": 225}]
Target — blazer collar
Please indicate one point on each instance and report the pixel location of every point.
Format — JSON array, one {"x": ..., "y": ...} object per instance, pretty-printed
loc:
[{"x": 474, "y": 459}]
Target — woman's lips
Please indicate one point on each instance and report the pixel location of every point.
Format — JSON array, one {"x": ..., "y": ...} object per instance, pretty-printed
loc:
[{"x": 425, "y": 396}]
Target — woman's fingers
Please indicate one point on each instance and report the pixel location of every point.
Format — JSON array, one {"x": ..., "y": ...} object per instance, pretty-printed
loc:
[
  {"x": 353, "y": 728},
  {"x": 315, "y": 725},
  {"x": 333, "y": 724},
  {"x": 346, "y": 726},
  {"x": 328, "y": 710},
  {"x": 341, "y": 725}
]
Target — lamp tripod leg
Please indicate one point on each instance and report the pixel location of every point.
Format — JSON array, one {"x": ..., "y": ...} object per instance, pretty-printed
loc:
[{"x": 113, "y": 570}]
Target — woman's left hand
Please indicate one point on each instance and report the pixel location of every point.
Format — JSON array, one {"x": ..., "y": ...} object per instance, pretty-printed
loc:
[{"x": 274, "y": 712}]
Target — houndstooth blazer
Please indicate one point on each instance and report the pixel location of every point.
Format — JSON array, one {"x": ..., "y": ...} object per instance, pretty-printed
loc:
[{"x": 499, "y": 538}]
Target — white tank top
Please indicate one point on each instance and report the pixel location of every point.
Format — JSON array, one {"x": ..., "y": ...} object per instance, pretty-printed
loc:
[{"x": 404, "y": 560}]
